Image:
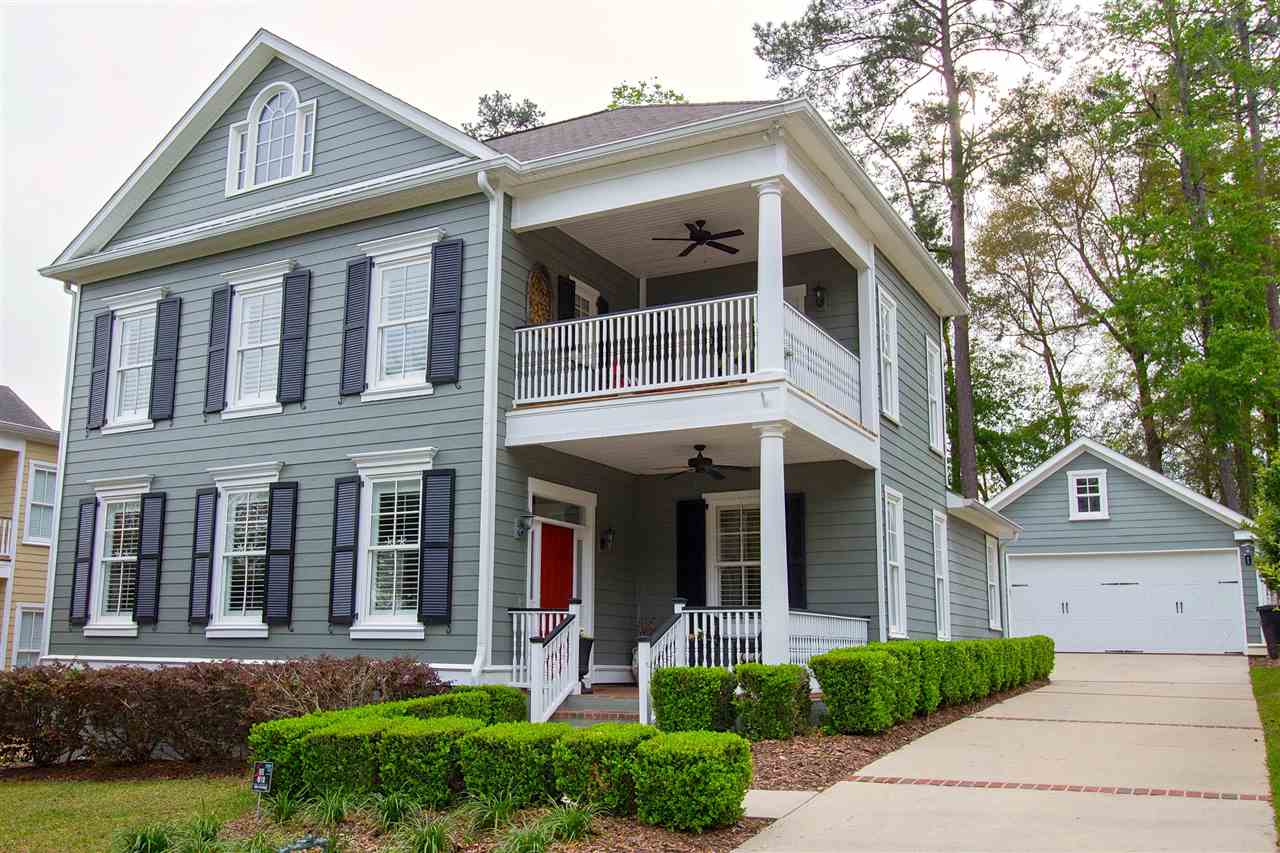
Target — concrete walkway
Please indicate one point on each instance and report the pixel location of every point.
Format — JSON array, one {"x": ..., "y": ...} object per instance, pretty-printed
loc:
[{"x": 1120, "y": 752}]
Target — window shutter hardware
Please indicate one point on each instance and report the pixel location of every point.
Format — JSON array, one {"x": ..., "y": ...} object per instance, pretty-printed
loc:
[{"x": 202, "y": 543}]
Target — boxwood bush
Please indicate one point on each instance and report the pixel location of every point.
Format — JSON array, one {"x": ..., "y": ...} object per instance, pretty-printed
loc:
[
  {"x": 462, "y": 703},
  {"x": 693, "y": 698},
  {"x": 692, "y": 781},
  {"x": 506, "y": 704},
  {"x": 420, "y": 757},
  {"x": 774, "y": 703},
  {"x": 280, "y": 742},
  {"x": 860, "y": 687},
  {"x": 596, "y": 765},
  {"x": 511, "y": 758},
  {"x": 343, "y": 754}
]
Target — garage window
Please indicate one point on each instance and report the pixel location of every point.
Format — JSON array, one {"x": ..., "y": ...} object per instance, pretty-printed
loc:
[{"x": 1087, "y": 495}]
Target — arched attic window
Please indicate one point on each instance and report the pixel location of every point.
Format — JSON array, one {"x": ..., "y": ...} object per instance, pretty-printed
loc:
[{"x": 274, "y": 142}]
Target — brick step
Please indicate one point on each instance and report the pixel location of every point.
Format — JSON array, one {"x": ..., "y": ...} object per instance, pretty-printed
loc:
[{"x": 598, "y": 708}]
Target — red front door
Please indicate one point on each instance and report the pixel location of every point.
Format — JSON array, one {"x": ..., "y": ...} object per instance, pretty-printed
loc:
[{"x": 556, "y": 559}]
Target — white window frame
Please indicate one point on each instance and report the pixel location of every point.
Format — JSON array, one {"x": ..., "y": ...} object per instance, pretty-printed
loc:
[
  {"x": 793, "y": 293},
  {"x": 941, "y": 575},
  {"x": 109, "y": 491},
  {"x": 229, "y": 479},
  {"x": 714, "y": 502},
  {"x": 45, "y": 468},
  {"x": 126, "y": 307},
  {"x": 582, "y": 289},
  {"x": 936, "y": 412},
  {"x": 388, "y": 254},
  {"x": 1074, "y": 512},
  {"x": 252, "y": 281},
  {"x": 24, "y": 609},
  {"x": 898, "y": 556},
  {"x": 889, "y": 364},
  {"x": 244, "y": 133},
  {"x": 382, "y": 466},
  {"x": 994, "y": 604}
]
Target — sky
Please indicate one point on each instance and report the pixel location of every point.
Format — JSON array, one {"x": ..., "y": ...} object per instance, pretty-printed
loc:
[{"x": 86, "y": 91}]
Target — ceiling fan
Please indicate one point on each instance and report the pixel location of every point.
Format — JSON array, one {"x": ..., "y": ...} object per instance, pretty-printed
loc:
[
  {"x": 700, "y": 236},
  {"x": 704, "y": 465}
]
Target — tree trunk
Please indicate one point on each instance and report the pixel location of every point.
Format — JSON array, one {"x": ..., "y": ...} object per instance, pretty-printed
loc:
[{"x": 1151, "y": 440}]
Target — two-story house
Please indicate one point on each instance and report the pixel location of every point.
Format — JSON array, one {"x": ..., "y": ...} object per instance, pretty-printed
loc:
[{"x": 345, "y": 380}]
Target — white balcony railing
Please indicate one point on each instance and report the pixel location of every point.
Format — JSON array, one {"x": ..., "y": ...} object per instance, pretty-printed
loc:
[
  {"x": 820, "y": 365},
  {"x": 815, "y": 633},
  {"x": 6, "y": 537}
]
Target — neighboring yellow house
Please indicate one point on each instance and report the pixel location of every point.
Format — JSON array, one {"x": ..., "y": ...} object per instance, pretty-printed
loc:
[{"x": 28, "y": 486}]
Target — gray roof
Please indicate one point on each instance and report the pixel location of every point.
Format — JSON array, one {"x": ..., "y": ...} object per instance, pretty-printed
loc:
[
  {"x": 17, "y": 416},
  {"x": 610, "y": 126}
]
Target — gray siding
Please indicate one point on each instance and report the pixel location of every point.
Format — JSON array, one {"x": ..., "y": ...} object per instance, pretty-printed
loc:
[
  {"x": 312, "y": 440},
  {"x": 967, "y": 564},
  {"x": 352, "y": 142},
  {"x": 1142, "y": 518},
  {"x": 909, "y": 465},
  {"x": 824, "y": 268}
]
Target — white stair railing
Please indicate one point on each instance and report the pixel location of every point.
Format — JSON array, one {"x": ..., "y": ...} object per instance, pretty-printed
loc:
[
  {"x": 527, "y": 623},
  {"x": 553, "y": 666},
  {"x": 820, "y": 365},
  {"x": 814, "y": 633}
]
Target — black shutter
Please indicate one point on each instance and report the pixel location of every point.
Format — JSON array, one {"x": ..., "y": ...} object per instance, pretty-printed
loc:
[
  {"x": 691, "y": 552},
  {"x": 291, "y": 384},
  {"x": 80, "y": 579},
  {"x": 202, "y": 556},
  {"x": 567, "y": 293},
  {"x": 101, "y": 367},
  {"x": 796, "y": 562},
  {"x": 215, "y": 383},
  {"x": 435, "y": 558},
  {"x": 282, "y": 514},
  {"x": 444, "y": 337},
  {"x": 146, "y": 603},
  {"x": 602, "y": 305},
  {"x": 346, "y": 540},
  {"x": 355, "y": 326},
  {"x": 164, "y": 359}
]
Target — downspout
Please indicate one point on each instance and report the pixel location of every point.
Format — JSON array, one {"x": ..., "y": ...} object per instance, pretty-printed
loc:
[
  {"x": 72, "y": 333},
  {"x": 489, "y": 431}
]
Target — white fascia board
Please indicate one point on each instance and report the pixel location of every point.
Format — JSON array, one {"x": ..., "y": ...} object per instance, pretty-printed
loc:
[
  {"x": 982, "y": 517},
  {"x": 1222, "y": 513},
  {"x": 829, "y": 212}
]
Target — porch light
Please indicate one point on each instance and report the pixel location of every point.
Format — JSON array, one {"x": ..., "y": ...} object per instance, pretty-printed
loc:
[
  {"x": 522, "y": 526},
  {"x": 606, "y": 539},
  {"x": 820, "y": 297}
]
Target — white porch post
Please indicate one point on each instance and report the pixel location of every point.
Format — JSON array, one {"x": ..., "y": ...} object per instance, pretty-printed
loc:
[
  {"x": 775, "y": 607},
  {"x": 769, "y": 301}
]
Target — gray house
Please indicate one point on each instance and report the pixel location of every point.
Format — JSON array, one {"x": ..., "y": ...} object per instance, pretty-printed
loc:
[
  {"x": 345, "y": 380},
  {"x": 1116, "y": 557}
]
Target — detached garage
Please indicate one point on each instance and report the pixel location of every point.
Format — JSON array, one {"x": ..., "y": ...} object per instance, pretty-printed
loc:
[{"x": 1114, "y": 557}]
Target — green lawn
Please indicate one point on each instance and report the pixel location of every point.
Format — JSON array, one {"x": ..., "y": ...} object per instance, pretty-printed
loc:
[
  {"x": 1266, "y": 690},
  {"x": 81, "y": 816}
]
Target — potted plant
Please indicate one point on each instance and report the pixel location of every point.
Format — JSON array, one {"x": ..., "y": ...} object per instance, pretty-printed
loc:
[
  {"x": 1266, "y": 552},
  {"x": 584, "y": 659}
]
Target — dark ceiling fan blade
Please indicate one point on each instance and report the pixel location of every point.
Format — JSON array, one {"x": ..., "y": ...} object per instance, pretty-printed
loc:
[
  {"x": 713, "y": 471},
  {"x": 734, "y": 468},
  {"x": 737, "y": 232},
  {"x": 676, "y": 474},
  {"x": 693, "y": 229},
  {"x": 675, "y": 239},
  {"x": 688, "y": 249},
  {"x": 722, "y": 247}
]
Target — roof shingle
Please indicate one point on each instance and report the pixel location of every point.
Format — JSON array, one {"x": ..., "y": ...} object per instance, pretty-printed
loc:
[{"x": 14, "y": 412}]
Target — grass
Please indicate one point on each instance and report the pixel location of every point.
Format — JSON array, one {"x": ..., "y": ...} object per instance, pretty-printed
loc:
[
  {"x": 1266, "y": 690},
  {"x": 36, "y": 817}
]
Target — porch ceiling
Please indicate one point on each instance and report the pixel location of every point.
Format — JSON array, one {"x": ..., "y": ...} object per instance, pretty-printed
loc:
[{"x": 625, "y": 236}]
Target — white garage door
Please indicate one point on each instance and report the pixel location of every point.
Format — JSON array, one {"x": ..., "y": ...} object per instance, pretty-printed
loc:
[{"x": 1175, "y": 601}]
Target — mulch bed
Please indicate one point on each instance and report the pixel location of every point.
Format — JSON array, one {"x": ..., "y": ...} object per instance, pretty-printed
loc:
[
  {"x": 85, "y": 771},
  {"x": 1263, "y": 661},
  {"x": 816, "y": 761}
]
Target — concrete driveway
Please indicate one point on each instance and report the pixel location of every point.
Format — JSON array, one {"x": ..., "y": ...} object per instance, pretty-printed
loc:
[{"x": 1120, "y": 752}]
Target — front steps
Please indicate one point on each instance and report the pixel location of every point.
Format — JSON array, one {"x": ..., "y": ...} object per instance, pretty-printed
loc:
[{"x": 608, "y": 704}]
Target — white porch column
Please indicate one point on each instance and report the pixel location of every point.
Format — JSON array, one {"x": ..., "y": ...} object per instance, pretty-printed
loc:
[
  {"x": 769, "y": 301},
  {"x": 775, "y": 607}
]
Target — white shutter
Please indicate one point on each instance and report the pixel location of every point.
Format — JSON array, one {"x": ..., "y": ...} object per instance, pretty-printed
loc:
[
  {"x": 933, "y": 358},
  {"x": 993, "y": 582},
  {"x": 941, "y": 578}
]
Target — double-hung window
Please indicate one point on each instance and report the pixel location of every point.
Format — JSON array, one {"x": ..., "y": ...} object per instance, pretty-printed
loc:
[
  {"x": 275, "y": 141},
  {"x": 895, "y": 564},
  {"x": 1087, "y": 495},
  {"x": 888, "y": 356},
  {"x": 41, "y": 484},
  {"x": 733, "y": 552},
  {"x": 239, "y": 580},
  {"x": 586, "y": 300},
  {"x": 937, "y": 414},
  {"x": 133, "y": 336},
  {"x": 993, "y": 583},
  {"x": 253, "y": 346},
  {"x": 941, "y": 576},
  {"x": 29, "y": 635},
  {"x": 115, "y": 579}
]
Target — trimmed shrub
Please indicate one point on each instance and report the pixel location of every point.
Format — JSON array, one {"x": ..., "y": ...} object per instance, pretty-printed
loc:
[
  {"x": 507, "y": 704},
  {"x": 43, "y": 711},
  {"x": 774, "y": 703},
  {"x": 511, "y": 758},
  {"x": 930, "y": 673},
  {"x": 127, "y": 711},
  {"x": 861, "y": 688},
  {"x": 473, "y": 704},
  {"x": 692, "y": 781},
  {"x": 958, "y": 683},
  {"x": 420, "y": 757},
  {"x": 596, "y": 765},
  {"x": 344, "y": 754},
  {"x": 280, "y": 742},
  {"x": 911, "y": 657},
  {"x": 693, "y": 698},
  {"x": 327, "y": 683}
]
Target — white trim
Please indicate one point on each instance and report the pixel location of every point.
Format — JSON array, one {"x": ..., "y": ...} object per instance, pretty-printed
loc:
[
  {"x": 977, "y": 514},
  {"x": 233, "y": 413},
  {"x": 712, "y": 501},
  {"x": 941, "y": 573},
  {"x": 380, "y": 462},
  {"x": 246, "y": 130},
  {"x": 581, "y": 288},
  {"x": 388, "y": 254},
  {"x": 107, "y": 491},
  {"x": 890, "y": 403},
  {"x": 7, "y": 570},
  {"x": 123, "y": 629},
  {"x": 138, "y": 310},
  {"x": 1015, "y": 554},
  {"x": 392, "y": 393},
  {"x": 589, "y": 501},
  {"x": 27, "y": 539},
  {"x": 1082, "y": 445},
  {"x": 1073, "y": 507},
  {"x": 19, "y": 609},
  {"x": 126, "y": 426},
  {"x": 994, "y": 615},
  {"x": 1243, "y": 536},
  {"x": 73, "y": 332},
  {"x": 407, "y": 631},
  {"x": 270, "y": 271},
  {"x": 933, "y": 394},
  {"x": 236, "y": 631},
  {"x": 128, "y": 484},
  {"x": 900, "y": 594},
  {"x": 256, "y": 281},
  {"x": 256, "y": 477},
  {"x": 135, "y": 299},
  {"x": 248, "y": 474},
  {"x": 401, "y": 246}
]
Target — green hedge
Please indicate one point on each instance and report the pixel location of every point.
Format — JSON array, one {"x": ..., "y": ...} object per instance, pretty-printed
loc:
[
  {"x": 692, "y": 781},
  {"x": 420, "y": 756},
  {"x": 512, "y": 758},
  {"x": 596, "y": 765},
  {"x": 774, "y": 703},
  {"x": 344, "y": 754},
  {"x": 280, "y": 741},
  {"x": 506, "y": 704},
  {"x": 693, "y": 698},
  {"x": 868, "y": 689},
  {"x": 472, "y": 704}
]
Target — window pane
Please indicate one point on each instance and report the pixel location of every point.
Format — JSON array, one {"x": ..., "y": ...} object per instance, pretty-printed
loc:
[
  {"x": 244, "y": 549},
  {"x": 395, "y": 512}
]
